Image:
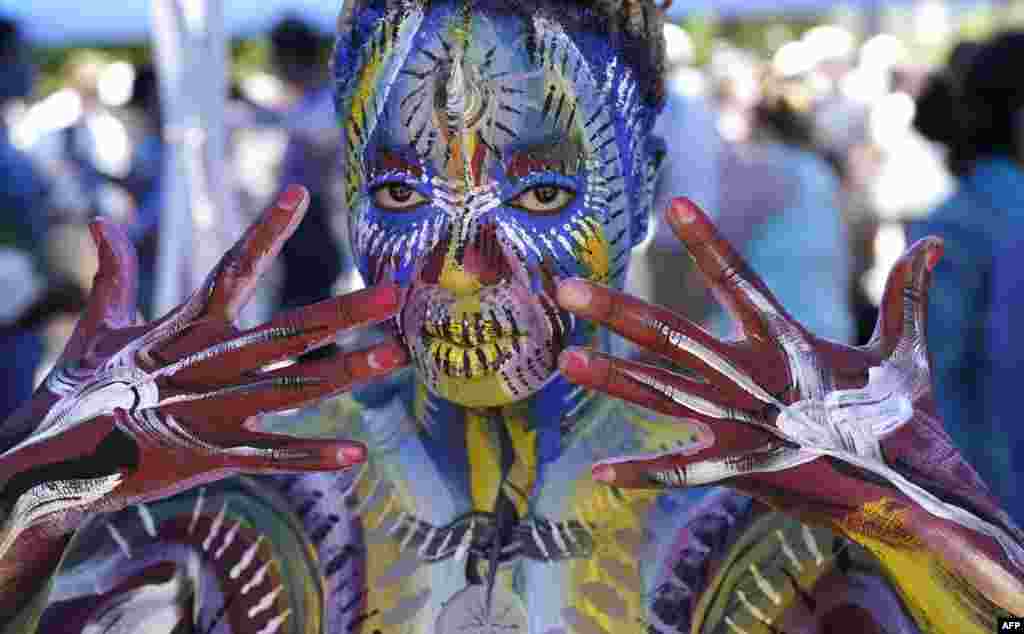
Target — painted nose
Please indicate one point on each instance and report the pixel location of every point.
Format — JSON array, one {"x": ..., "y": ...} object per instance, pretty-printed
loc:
[{"x": 463, "y": 267}]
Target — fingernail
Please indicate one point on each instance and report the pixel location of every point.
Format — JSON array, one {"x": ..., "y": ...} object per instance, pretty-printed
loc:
[
  {"x": 603, "y": 473},
  {"x": 571, "y": 361},
  {"x": 352, "y": 454},
  {"x": 574, "y": 294},
  {"x": 386, "y": 295},
  {"x": 932, "y": 258},
  {"x": 683, "y": 212},
  {"x": 385, "y": 358},
  {"x": 291, "y": 198},
  {"x": 99, "y": 238},
  {"x": 96, "y": 229}
]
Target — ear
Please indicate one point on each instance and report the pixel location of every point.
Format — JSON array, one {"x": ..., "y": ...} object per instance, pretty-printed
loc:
[{"x": 649, "y": 165}]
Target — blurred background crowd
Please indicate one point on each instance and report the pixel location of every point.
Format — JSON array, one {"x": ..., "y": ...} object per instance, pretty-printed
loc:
[{"x": 823, "y": 138}]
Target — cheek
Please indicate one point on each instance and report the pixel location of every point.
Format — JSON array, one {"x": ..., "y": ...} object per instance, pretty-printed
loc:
[{"x": 390, "y": 246}]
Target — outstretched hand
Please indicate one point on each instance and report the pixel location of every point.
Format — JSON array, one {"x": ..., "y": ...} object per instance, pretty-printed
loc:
[
  {"x": 843, "y": 435},
  {"x": 136, "y": 412}
]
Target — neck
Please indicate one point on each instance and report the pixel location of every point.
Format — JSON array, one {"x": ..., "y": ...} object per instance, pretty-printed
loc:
[{"x": 515, "y": 441}]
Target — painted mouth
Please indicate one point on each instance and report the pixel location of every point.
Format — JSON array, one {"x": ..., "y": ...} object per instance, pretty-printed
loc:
[
  {"x": 474, "y": 362},
  {"x": 497, "y": 346},
  {"x": 473, "y": 346},
  {"x": 492, "y": 336},
  {"x": 474, "y": 330}
]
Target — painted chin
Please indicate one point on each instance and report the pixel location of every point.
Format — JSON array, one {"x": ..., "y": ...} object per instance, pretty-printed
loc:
[{"x": 492, "y": 348}]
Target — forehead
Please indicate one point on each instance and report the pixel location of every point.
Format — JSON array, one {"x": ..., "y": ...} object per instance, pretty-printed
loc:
[{"x": 502, "y": 86}]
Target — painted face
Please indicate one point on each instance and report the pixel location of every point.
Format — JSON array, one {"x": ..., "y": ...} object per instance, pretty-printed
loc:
[{"x": 492, "y": 151}]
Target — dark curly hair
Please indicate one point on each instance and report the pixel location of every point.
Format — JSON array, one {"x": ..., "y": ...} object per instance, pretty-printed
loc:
[
  {"x": 972, "y": 107},
  {"x": 298, "y": 50},
  {"x": 789, "y": 124}
]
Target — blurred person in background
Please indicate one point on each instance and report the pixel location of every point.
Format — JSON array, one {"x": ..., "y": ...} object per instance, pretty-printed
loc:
[
  {"x": 663, "y": 271},
  {"x": 144, "y": 180},
  {"x": 779, "y": 203},
  {"x": 735, "y": 78},
  {"x": 82, "y": 151},
  {"x": 29, "y": 296},
  {"x": 932, "y": 114},
  {"x": 982, "y": 218},
  {"x": 841, "y": 131},
  {"x": 313, "y": 259}
]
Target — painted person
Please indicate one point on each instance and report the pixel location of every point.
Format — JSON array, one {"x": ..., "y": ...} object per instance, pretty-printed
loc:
[{"x": 499, "y": 168}]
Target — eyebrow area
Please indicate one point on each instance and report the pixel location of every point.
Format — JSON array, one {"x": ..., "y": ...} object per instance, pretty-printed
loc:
[
  {"x": 393, "y": 160},
  {"x": 558, "y": 155}
]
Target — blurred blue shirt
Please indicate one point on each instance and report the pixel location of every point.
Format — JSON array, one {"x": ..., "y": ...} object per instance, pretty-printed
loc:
[
  {"x": 24, "y": 221},
  {"x": 687, "y": 124},
  {"x": 1005, "y": 350},
  {"x": 780, "y": 208},
  {"x": 970, "y": 312}
]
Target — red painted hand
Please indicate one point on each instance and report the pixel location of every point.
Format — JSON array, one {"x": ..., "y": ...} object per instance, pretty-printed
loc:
[
  {"x": 842, "y": 435},
  {"x": 137, "y": 412}
]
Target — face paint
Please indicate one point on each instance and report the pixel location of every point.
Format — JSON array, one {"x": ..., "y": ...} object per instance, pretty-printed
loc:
[{"x": 492, "y": 151}]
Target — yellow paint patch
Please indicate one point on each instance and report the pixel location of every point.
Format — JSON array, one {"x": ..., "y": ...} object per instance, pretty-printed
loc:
[
  {"x": 610, "y": 519},
  {"x": 883, "y": 520},
  {"x": 490, "y": 391},
  {"x": 381, "y": 555},
  {"x": 524, "y": 469},
  {"x": 455, "y": 279},
  {"x": 484, "y": 461},
  {"x": 594, "y": 253},
  {"x": 662, "y": 432},
  {"x": 938, "y": 601}
]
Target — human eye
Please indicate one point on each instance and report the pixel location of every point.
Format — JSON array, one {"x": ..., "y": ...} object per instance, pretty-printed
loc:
[
  {"x": 397, "y": 197},
  {"x": 544, "y": 199}
]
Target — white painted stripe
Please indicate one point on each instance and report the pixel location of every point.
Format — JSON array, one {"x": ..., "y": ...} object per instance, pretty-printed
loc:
[
  {"x": 122, "y": 543},
  {"x": 789, "y": 552},
  {"x": 247, "y": 558},
  {"x": 812, "y": 545},
  {"x": 257, "y": 578},
  {"x": 215, "y": 527},
  {"x": 266, "y": 602},
  {"x": 229, "y": 538},
  {"x": 764, "y": 585},
  {"x": 196, "y": 510}
]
